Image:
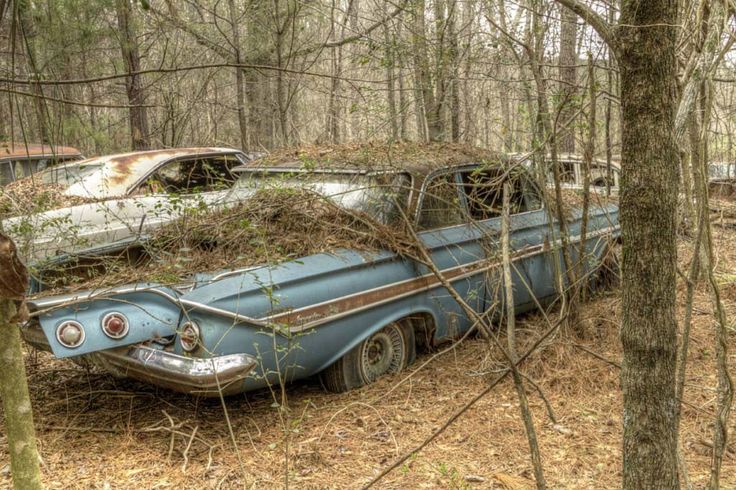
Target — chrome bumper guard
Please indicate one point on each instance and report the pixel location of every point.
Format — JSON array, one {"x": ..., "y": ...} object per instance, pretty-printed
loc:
[{"x": 196, "y": 376}]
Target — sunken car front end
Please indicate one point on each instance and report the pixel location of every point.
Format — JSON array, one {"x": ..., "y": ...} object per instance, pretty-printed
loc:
[{"x": 139, "y": 333}]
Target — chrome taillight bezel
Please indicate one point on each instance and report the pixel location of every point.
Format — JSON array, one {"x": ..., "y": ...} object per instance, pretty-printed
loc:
[
  {"x": 190, "y": 346},
  {"x": 66, "y": 324},
  {"x": 126, "y": 325}
]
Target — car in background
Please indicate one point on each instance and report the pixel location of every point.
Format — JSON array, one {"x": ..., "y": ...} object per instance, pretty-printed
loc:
[
  {"x": 572, "y": 172},
  {"x": 18, "y": 160},
  {"x": 123, "y": 195},
  {"x": 348, "y": 314},
  {"x": 721, "y": 171}
]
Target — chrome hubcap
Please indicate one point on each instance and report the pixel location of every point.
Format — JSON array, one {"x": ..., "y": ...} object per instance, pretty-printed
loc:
[{"x": 382, "y": 353}]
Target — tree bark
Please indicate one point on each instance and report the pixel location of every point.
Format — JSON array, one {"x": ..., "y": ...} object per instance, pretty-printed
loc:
[
  {"x": 568, "y": 78},
  {"x": 390, "y": 54},
  {"x": 13, "y": 383},
  {"x": 138, "y": 115},
  {"x": 650, "y": 162},
  {"x": 453, "y": 56},
  {"x": 239, "y": 78}
]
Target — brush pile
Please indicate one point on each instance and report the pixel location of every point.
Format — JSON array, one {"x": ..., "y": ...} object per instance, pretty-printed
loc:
[
  {"x": 25, "y": 197},
  {"x": 376, "y": 155},
  {"x": 271, "y": 226}
]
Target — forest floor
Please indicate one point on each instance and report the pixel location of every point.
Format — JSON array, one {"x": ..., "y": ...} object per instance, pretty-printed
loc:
[{"x": 96, "y": 432}]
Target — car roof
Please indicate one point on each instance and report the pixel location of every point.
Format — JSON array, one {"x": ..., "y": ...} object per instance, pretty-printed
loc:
[
  {"x": 412, "y": 157},
  {"x": 125, "y": 168},
  {"x": 12, "y": 149}
]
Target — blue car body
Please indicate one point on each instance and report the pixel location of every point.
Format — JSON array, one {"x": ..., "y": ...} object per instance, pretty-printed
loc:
[{"x": 280, "y": 322}]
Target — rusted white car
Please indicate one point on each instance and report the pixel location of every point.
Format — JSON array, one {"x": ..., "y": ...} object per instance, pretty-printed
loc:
[{"x": 126, "y": 195}]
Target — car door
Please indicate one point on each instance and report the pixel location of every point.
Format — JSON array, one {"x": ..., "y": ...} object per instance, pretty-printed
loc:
[
  {"x": 483, "y": 190},
  {"x": 456, "y": 248}
]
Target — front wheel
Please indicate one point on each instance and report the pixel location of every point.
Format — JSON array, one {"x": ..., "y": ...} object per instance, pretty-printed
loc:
[{"x": 387, "y": 351}]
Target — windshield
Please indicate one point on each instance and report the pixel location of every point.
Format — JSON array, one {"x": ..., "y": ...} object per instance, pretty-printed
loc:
[
  {"x": 376, "y": 195},
  {"x": 68, "y": 174}
]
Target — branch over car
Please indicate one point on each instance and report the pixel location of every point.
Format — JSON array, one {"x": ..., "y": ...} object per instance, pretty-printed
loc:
[{"x": 351, "y": 310}]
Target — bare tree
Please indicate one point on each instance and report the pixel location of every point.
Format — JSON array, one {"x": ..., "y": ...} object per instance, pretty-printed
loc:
[
  {"x": 645, "y": 43},
  {"x": 138, "y": 115},
  {"x": 568, "y": 77}
]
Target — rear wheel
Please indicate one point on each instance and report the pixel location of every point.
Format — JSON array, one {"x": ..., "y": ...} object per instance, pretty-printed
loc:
[{"x": 387, "y": 351}]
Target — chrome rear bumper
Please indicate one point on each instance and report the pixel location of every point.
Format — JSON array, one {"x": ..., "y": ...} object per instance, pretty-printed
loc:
[
  {"x": 195, "y": 376},
  {"x": 192, "y": 375}
]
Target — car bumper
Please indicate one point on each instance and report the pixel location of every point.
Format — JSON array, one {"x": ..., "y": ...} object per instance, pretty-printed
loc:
[{"x": 210, "y": 377}]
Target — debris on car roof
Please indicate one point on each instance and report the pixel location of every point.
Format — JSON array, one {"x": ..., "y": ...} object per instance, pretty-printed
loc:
[
  {"x": 24, "y": 197},
  {"x": 409, "y": 156},
  {"x": 271, "y": 226}
]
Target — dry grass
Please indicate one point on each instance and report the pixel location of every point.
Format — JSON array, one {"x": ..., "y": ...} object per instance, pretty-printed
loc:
[{"x": 98, "y": 432}]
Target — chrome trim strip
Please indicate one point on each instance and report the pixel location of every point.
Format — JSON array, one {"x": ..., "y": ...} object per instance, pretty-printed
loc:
[
  {"x": 525, "y": 253},
  {"x": 221, "y": 312},
  {"x": 53, "y": 303}
]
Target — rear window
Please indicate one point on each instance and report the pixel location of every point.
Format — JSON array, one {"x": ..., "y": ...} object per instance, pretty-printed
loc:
[{"x": 68, "y": 174}]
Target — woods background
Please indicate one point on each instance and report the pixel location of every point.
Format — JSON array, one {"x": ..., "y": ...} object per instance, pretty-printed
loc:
[{"x": 265, "y": 74}]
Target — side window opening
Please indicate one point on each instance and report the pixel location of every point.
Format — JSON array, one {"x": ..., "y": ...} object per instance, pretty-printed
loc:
[
  {"x": 567, "y": 171},
  {"x": 195, "y": 175},
  {"x": 441, "y": 204},
  {"x": 532, "y": 196},
  {"x": 484, "y": 193}
]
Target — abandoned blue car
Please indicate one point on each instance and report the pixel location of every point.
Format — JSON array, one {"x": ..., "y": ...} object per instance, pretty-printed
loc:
[{"x": 350, "y": 315}]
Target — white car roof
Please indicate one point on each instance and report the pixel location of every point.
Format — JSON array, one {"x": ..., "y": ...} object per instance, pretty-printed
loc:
[{"x": 118, "y": 173}]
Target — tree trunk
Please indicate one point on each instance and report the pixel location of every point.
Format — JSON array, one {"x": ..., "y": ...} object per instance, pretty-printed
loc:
[
  {"x": 332, "y": 128},
  {"x": 650, "y": 161},
  {"x": 239, "y": 78},
  {"x": 13, "y": 383},
  {"x": 453, "y": 56},
  {"x": 138, "y": 115},
  {"x": 568, "y": 79},
  {"x": 390, "y": 54},
  {"x": 28, "y": 33},
  {"x": 431, "y": 102}
]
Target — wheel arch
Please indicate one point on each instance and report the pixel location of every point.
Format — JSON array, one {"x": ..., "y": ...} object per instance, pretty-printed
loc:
[{"x": 422, "y": 321}]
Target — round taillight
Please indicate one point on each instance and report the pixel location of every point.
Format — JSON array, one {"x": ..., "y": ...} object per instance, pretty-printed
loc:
[
  {"x": 189, "y": 336},
  {"x": 70, "y": 334},
  {"x": 115, "y": 325}
]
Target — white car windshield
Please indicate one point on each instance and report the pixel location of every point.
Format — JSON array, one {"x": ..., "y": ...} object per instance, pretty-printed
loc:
[{"x": 375, "y": 194}]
